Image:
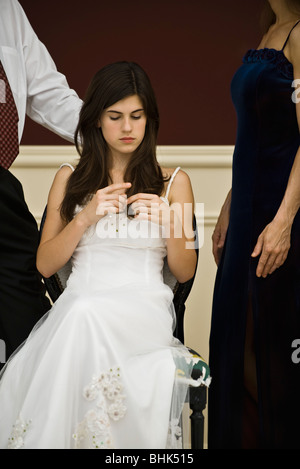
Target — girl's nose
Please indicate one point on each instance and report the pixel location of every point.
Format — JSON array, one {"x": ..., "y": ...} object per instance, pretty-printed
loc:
[{"x": 126, "y": 125}]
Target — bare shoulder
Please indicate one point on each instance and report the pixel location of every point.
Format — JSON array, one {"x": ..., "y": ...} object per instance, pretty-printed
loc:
[
  {"x": 62, "y": 176},
  {"x": 54, "y": 222},
  {"x": 63, "y": 173},
  {"x": 58, "y": 187},
  {"x": 180, "y": 176},
  {"x": 181, "y": 188},
  {"x": 295, "y": 34},
  {"x": 294, "y": 47}
]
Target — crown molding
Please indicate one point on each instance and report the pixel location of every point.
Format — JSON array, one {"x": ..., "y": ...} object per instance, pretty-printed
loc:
[{"x": 184, "y": 156}]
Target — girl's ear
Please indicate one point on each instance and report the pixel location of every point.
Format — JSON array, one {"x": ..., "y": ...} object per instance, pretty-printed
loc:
[{"x": 99, "y": 124}]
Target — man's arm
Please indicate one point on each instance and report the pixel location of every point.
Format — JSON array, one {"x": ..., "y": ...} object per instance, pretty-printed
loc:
[{"x": 50, "y": 101}]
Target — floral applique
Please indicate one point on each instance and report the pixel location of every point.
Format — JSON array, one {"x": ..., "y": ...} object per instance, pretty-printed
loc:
[
  {"x": 16, "y": 440},
  {"x": 95, "y": 429},
  {"x": 174, "y": 440}
]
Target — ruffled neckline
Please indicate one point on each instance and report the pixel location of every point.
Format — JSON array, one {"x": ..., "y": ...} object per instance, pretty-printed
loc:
[{"x": 274, "y": 56}]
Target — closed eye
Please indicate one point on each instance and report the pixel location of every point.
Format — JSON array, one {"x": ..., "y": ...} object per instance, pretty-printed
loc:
[{"x": 117, "y": 118}]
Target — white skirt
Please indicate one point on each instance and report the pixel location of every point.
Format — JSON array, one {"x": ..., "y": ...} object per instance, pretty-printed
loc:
[{"x": 98, "y": 371}]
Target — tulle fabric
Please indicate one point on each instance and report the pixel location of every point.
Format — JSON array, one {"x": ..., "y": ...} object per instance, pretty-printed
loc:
[{"x": 102, "y": 368}]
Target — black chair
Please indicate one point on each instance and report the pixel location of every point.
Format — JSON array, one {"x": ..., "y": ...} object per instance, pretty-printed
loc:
[{"x": 56, "y": 284}]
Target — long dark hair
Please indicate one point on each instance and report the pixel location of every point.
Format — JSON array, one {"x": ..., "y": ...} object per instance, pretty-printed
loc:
[
  {"x": 268, "y": 16},
  {"x": 111, "y": 84}
]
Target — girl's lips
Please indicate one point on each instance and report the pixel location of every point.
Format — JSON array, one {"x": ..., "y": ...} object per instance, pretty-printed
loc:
[{"x": 127, "y": 139}]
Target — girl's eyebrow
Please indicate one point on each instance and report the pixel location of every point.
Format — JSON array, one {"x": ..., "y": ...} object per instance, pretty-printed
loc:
[{"x": 132, "y": 112}]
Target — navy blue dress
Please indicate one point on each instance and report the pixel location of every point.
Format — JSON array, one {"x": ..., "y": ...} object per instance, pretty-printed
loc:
[{"x": 266, "y": 146}]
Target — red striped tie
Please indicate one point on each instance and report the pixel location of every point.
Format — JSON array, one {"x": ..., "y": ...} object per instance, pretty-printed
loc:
[{"x": 9, "y": 142}]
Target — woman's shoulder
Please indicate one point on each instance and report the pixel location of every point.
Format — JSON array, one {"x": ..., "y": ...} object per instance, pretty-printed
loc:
[{"x": 294, "y": 46}]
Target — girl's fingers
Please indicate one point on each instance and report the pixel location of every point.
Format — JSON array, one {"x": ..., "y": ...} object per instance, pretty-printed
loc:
[
  {"x": 143, "y": 216},
  {"x": 112, "y": 197},
  {"x": 116, "y": 187},
  {"x": 114, "y": 206},
  {"x": 141, "y": 209},
  {"x": 142, "y": 197}
]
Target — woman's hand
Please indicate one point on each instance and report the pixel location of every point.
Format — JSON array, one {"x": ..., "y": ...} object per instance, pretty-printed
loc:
[
  {"x": 149, "y": 207},
  {"x": 220, "y": 231},
  {"x": 111, "y": 199},
  {"x": 273, "y": 244}
]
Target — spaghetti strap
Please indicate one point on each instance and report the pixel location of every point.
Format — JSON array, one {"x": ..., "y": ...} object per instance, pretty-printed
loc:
[
  {"x": 170, "y": 182},
  {"x": 290, "y": 34},
  {"x": 67, "y": 164}
]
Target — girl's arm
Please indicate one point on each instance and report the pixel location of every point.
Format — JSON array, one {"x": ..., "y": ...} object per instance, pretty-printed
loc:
[
  {"x": 182, "y": 257},
  {"x": 60, "y": 239}
]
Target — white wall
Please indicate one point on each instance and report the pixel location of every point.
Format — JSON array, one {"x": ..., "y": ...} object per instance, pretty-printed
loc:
[{"x": 209, "y": 168}]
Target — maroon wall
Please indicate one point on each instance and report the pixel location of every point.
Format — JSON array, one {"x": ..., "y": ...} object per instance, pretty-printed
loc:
[{"x": 189, "y": 48}]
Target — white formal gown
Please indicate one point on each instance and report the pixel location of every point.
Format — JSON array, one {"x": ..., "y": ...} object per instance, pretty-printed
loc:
[{"x": 102, "y": 369}]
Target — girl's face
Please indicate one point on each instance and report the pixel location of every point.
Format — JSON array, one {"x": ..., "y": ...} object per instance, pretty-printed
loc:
[{"x": 123, "y": 125}]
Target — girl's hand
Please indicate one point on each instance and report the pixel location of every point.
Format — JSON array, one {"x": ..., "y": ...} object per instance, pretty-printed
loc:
[
  {"x": 149, "y": 207},
  {"x": 111, "y": 199},
  {"x": 273, "y": 244}
]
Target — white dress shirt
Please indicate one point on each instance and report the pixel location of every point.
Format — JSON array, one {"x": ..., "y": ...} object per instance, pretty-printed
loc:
[{"x": 39, "y": 90}]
